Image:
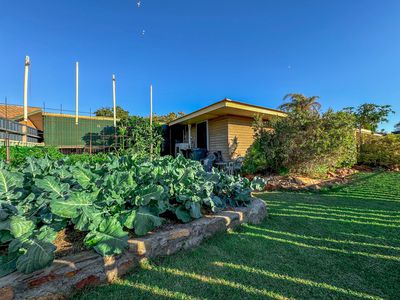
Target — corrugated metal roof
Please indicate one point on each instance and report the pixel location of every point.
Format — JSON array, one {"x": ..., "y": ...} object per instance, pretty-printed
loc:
[{"x": 16, "y": 112}]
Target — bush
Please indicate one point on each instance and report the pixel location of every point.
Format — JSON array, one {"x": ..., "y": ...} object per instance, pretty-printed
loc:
[
  {"x": 303, "y": 142},
  {"x": 18, "y": 154},
  {"x": 137, "y": 137},
  {"x": 87, "y": 158},
  {"x": 380, "y": 151}
]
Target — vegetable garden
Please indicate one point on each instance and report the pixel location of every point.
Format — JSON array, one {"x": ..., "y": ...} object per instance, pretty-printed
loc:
[{"x": 108, "y": 201}]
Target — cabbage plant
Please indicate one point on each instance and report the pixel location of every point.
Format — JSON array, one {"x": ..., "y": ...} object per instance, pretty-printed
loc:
[{"x": 104, "y": 200}]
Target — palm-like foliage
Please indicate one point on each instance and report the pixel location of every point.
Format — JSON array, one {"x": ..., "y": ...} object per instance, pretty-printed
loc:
[{"x": 300, "y": 102}]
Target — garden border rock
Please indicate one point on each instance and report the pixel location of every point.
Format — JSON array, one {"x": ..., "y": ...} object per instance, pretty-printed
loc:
[{"x": 72, "y": 273}]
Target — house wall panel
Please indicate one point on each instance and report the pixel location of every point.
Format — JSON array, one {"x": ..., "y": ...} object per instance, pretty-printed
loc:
[
  {"x": 240, "y": 135},
  {"x": 218, "y": 136}
]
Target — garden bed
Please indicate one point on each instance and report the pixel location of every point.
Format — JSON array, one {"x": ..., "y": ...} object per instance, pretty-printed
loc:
[
  {"x": 74, "y": 272},
  {"x": 300, "y": 182}
]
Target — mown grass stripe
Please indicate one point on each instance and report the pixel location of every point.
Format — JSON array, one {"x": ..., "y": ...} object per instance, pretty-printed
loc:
[{"x": 347, "y": 292}]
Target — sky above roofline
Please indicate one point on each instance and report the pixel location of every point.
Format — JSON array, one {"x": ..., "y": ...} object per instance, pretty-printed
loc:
[{"x": 198, "y": 52}]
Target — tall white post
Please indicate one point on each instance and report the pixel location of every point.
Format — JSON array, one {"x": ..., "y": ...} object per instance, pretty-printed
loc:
[
  {"x": 76, "y": 93},
  {"x": 26, "y": 77},
  {"x": 151, "y": 119},
  {"x": 114, "y": 100}
]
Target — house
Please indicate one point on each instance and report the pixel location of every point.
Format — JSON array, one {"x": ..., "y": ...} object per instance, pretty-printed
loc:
[{"x": 224, "y": 126}]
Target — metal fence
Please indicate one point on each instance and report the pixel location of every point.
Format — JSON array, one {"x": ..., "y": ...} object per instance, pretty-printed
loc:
[
  {"x": 57, "y": 128},
  {"x": 90, "y": 134}
]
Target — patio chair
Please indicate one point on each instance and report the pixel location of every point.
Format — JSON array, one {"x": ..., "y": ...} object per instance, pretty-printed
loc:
[{"x": 208, "y": 162}]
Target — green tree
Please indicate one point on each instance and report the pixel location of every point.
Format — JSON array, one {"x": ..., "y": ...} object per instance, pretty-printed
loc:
[
  {"x": 306, "y": 143},
  {"x": 136, "y": 135},
  {"x": 165, "y": 119},
  {"x": 122, "y": 114},
  {"x": 300, "y": 103},
  {"x": 370, "y": 115}
]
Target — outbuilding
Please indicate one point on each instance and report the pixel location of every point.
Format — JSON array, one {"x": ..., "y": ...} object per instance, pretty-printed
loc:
[{"x": 225, "y": 127}]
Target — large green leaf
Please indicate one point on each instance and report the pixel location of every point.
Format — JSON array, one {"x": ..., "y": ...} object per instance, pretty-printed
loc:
[
  {"x": 108, "y": 239},
  {"x": 183, "y": 214},
  {"x": 129, "y": 220},
  {"x": 32, "y": 167},
  {"x": 20, "y": 226},
  {"x": 39, "y": 254},
  {"x": 8, "y": 264},
  {"x": 51, "y": 185},
  {"x": 72, "y": 207},
  {"x": 5, "y": 224},
  {"x": 61, "y": 173},
  {"x": 83, "y": 177},
  {"x": 195, "y": 210},
  {"x": 46, "y": 233},
  {"x": 5, "y": 236},
  {"x": 9, "y": 180},
  {"x": 152, "y": 192},
  {"x": 88, "y": 219},
  {"x": 146, "y": 220}
]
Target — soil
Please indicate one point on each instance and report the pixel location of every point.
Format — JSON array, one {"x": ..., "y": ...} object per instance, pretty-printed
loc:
[
  {"x": 69, "y": 241},
  {"x": 298, "y": 182}
]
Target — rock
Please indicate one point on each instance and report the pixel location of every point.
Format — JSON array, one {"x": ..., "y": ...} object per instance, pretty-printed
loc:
[
  {"x": 331, "y": 174},
  {"x": 298, "y": 181},
  {"x": 7, "y": 293}
]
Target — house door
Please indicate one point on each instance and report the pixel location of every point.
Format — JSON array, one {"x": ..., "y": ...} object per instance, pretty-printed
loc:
[{"x": 201, "y": 135}]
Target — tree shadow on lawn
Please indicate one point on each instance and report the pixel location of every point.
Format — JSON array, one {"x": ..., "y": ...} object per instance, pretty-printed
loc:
[
  {"x": 267, "y": 270},
  {"x": 311, "y": 246},
  {"x": 257, "y": 262}
]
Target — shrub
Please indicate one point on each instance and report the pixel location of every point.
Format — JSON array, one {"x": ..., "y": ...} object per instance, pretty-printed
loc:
[
  {"x": 303, "y": 142},
  {"x": 380, "y": 151},
  {"x": 88, "y": 158},
  {"x": 137, "y": 137},
  {"x": 18, "y": 154}
]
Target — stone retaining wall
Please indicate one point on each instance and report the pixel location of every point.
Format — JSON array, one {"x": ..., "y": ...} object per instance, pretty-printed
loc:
[{"x": 72, "y": 273}]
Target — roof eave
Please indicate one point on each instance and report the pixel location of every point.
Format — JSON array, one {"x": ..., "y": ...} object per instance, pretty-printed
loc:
[{"x": 228, "y": 103}]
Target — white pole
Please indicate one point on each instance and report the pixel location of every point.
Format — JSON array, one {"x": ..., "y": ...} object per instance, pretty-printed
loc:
[
  {"x": 76, "y": 93},
  {"x": 151, "y": 118},
  {"x": 114, "y": 100},
  {"x": 26, "y": 76}
]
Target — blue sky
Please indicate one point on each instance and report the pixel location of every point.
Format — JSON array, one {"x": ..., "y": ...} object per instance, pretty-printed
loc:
[{"x": 198, "y": 52}]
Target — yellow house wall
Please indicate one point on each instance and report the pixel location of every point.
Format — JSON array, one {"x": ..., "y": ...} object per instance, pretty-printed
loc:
[
  {"x": 231, "y": 135},
  {"x": 240, "y": 135},
  {"x": 218, "y": 136}
]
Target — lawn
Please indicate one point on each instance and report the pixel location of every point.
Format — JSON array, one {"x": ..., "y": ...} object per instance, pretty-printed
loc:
[{"x": 342, "y": 243}]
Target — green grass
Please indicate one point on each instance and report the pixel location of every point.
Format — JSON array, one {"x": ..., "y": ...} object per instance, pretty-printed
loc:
[{"x": 342, "y": 243}]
